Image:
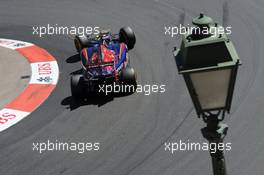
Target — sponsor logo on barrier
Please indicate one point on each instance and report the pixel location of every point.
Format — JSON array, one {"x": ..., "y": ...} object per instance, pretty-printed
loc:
[
  {"x": 45, "y": 79},
  {"x": 13, "y": 44},
  {"x": 44, "y": 69},
  {"x": 44, "y": 73},
  {"x": 9, "y": 117},
  {"x": 5, "y": 117}
]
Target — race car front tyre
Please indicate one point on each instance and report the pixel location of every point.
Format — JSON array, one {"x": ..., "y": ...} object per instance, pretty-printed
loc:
[
  {"x": 77, "y": 86},
  {"x": 80, "y": 42},
  {"x": 128, "y": 76},
  {"x": 127, "y": 36}
]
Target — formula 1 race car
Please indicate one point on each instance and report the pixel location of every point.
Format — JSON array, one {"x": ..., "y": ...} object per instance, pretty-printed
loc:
[{"x": 104, "y": 60}]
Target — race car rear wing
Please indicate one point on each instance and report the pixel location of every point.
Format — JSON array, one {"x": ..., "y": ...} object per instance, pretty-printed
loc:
[{"x": 97, "y": 65}]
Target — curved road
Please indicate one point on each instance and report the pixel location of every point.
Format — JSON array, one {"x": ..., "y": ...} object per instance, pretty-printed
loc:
[{"x": 132, "y": 129}]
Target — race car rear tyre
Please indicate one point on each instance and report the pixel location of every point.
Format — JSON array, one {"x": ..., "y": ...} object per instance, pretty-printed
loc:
[
  {"x": 128, "y": 76},
  {"x": 127, "y": 36},
  {"x": 80, "y": 42},
  {"x": 77, "y": 86}
]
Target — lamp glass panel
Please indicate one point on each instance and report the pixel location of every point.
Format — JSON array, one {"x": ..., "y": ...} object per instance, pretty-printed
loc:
[{"x": 211, "y": 87}]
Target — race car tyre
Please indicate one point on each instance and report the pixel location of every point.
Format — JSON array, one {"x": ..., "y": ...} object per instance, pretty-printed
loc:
[
  {"x": 128, "y": 76},
  {"x": 76, "y": 86},
  {"x": 127, "y": 36},
  {"x": 80, "y": 42}
]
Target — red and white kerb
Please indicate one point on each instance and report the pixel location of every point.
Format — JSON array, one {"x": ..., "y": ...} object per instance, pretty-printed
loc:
[{"x": 44, "y": 77}]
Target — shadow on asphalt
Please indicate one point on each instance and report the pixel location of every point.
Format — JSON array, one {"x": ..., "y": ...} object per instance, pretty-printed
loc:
[
  {"x": 73, "y": 103},
  {"x": 73, "y": 59},
  {"x": 91, "y": 99}
]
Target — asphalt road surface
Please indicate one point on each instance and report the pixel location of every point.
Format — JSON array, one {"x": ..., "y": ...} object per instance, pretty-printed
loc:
[
  {"x": 132, "y": 129},
  {"x": 12, "y": 82}
]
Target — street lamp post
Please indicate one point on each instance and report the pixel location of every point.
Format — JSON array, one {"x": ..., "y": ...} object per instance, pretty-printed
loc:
[{"x": 209, "y": 62}]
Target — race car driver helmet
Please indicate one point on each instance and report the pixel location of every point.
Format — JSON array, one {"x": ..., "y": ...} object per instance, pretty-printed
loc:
[{"x": 106, "y": 37}]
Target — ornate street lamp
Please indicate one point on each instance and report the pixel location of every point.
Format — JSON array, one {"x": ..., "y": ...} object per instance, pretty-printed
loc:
[{"x": 208, "y": 62}]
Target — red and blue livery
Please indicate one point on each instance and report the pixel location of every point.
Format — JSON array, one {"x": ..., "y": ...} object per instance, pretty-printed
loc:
[{"x": 104, "y": 60}]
